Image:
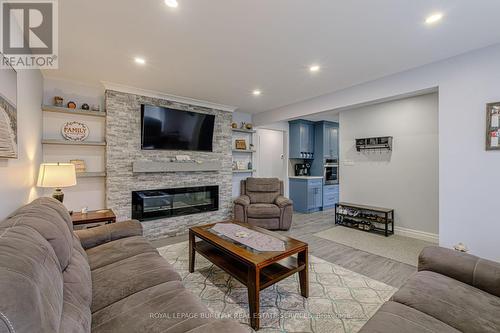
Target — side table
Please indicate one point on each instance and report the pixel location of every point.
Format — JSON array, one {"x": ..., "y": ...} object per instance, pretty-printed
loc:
[{"x": 92, "y": 218}]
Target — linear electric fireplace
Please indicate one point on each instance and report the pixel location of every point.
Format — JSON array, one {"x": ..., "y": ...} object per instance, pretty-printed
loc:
[{"x": 157, "y": 204}]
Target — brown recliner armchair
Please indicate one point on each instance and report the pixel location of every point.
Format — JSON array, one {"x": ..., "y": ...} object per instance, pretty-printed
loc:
[{"x": 262, "y": 204}]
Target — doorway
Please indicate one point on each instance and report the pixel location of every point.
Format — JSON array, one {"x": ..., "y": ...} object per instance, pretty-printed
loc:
[{"x": 271, "y": 153}]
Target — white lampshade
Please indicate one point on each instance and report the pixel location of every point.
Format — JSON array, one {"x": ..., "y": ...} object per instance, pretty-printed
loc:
[{"x": 56, "y": 175}]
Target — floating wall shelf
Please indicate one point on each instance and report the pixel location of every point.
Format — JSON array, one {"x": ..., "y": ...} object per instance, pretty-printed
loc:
[
  {"x": 248, "y": 151},
  {"x": 244, "y": 171},
  {"x": 49, "y": 108},
  {"x": 242, "y": 130},
  {"x": 90, "y": 174},
  {"x": 378, "y": 143},
  {"x": 72, "y": 143}
]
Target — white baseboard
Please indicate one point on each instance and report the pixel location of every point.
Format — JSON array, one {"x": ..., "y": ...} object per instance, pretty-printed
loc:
[{"x": 422, "y": 235}]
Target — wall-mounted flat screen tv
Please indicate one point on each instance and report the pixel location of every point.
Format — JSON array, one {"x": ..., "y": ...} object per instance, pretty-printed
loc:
[{"x": 171, "y": 129}]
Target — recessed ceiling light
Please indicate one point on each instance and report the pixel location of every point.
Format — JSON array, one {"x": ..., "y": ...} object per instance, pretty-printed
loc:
[
  {"x": 436, "y": 17},
  {"x": 256, "y": 92},
  {"x": 171, "y": 3},
  {"x": 140, "y": 61},
  {"x": 314, "y": 68}
]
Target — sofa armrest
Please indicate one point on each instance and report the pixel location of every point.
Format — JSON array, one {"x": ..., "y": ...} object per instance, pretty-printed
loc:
[
  {"x": 477, "y": 272},
  {"x": 282, "y": 202},
  {"x": 243, "y": 200},
  {"x": 93, "y": 237}
]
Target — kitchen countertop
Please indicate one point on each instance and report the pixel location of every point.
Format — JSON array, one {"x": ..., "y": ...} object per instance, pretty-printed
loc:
[{"x": 305, "y": 177}]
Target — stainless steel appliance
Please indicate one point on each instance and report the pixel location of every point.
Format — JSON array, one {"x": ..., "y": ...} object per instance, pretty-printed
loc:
[
  {"x": 302, "y": 169},
  {"x": 331, "y": 171}
]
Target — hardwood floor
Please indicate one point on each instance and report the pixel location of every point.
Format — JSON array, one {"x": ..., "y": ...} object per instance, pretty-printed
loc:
[{"x": 304, "y": 227}]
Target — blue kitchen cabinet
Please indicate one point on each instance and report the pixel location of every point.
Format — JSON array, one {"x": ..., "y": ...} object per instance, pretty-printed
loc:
[
  {"x": 301, "y": 139},
  {"x": 307, "y": 194},
  {"x": 330, "y": 196},
  {"x": 331, "y": 149},
  {"x": 325, "y": 145}
]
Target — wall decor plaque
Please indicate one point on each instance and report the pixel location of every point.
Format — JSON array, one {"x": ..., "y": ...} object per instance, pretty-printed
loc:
[
  {"x": 493, "y": 126},
  {"x": 8, "y": 112},
  {"x": 75, "y": 131},
  {"x": 79, "y": 165},
  {"x": 240, "y": 144}
]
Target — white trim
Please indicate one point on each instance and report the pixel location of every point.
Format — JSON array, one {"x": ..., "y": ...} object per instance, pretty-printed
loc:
[
  {"x": 158, "y": 94},
  {"x": 412, "y": 233}
]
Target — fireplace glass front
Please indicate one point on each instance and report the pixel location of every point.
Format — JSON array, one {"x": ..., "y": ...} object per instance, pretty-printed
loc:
[{"x": 157, "y": 204}]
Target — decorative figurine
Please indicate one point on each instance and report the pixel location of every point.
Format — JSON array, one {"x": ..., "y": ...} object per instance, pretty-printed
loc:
[
  {"x": 249, "y": 165},
  {"x": 71, "y": 105},
  {"x": 58, "y": 101},
  {"x": 461, "y": 247},
  {"x": 85, "y": 106},
  {"x": 96, "y": 107}
]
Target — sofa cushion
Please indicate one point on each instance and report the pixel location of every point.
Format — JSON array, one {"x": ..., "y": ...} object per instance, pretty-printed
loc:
[
  {"x": 457, "y": 304},
  {"x": 263, "y": 211},
  {"x": 31, "y": 283},
  {"x": 263, "y": 190},
  {"x": 51, "y": 220},
  {"x": 117, "y": 250},
  {"x": 161, "y": 308},
  {"x": 123, "y": 278},
  {"x": 270, "y": 223},
  {"x": 77, "y": 298},
  {"x": 396, "y": 317}
]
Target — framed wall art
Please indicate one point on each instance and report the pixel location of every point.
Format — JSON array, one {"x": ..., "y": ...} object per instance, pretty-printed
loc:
[
  {"x": 8, "y": 112},
  {"x": 492, "y": 126},
  {"x": 240, "y": 144}
]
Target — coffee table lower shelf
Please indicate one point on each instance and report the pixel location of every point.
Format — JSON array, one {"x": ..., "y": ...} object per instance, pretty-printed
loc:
[{"x": 269, "y": 275}]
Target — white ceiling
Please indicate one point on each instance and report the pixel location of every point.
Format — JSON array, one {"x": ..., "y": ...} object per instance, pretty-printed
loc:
[{"x": 220, "y": 50}]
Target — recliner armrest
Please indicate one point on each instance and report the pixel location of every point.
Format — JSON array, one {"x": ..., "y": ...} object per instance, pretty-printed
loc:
[
  {"x": 282, "y": 202},
  {"x": 477, "y": 272},
  {"x": 243, "y": 200},
  {"x": 93, "y": 237}
]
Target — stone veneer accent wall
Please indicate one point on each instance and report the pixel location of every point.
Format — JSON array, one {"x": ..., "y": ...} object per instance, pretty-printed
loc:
[{"x": 123, "y": 137}]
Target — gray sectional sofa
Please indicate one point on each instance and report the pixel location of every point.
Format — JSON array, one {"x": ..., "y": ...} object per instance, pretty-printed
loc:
[
  {"x": 451, "y": 292},
  {"x": 104, "y": 279}
]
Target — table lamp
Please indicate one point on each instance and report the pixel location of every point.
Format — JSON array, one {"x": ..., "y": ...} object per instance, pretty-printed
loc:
[{"x": 57, "y": 175}]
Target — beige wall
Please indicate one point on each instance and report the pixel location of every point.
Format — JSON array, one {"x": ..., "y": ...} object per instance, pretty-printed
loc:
[
  {"x": 405, "y": 179},
  {"x": 18, "y": 176}
]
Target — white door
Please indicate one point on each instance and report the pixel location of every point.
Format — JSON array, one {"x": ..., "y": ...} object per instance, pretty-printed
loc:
[{"x": 271, "y": 153}]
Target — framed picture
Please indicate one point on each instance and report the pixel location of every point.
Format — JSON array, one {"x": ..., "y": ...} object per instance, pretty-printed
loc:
[
  {"x": 241, "y": 165},
  {"x": 492, "y": 126},
  {"x": 8, "y": 112},
  {"x": 240, "y": 144},
  {"x": 79, "y": 165}
]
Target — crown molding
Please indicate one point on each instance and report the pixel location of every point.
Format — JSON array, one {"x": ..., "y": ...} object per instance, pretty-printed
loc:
[{"x": 173, "y": 98}]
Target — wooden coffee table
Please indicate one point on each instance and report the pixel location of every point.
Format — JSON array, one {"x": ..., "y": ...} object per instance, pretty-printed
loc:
[{"x": 256, "y": 270}]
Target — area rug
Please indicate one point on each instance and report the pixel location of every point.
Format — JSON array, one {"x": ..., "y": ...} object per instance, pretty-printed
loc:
[
  {"x": 339, "y": 300},
  {"x": 399, "y": 248}
]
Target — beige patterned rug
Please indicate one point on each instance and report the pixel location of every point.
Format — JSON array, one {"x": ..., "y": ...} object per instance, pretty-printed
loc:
[{"x": 339, "y": 300}]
